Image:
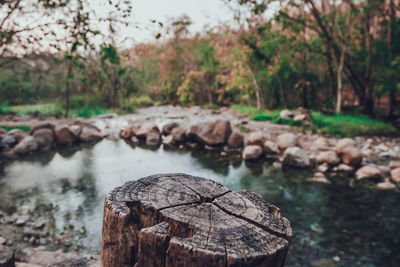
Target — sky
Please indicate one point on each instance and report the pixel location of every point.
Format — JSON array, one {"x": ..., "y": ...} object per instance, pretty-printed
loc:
[{"x": 201, "y": 12}]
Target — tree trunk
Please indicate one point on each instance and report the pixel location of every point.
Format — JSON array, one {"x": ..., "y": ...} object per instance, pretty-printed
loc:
[
  {"x": 67, "y": 90},
  {"x": 6, "y": 257},
  {"x": 339, "y": 81},
  {"x": 181, "y": 220}
]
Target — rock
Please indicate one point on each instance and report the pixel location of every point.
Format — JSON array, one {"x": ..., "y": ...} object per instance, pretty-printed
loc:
[
  {"x": 320, "y": 178},
  {"x": 302, "y": 111},
  {"x": 344, "y": 168},
  {"x": 126, "y": 133},
  {"x": 145, "y": 128},
  {"x": 286, "y": 114},
  {"x": 89, "y": 134},
  {"x": 386, "y": 185},
  {"x": 257, "y": 138},
  {"x": 18, "y": 134},
  {"x": 252, "y": 152},
  {"x": 168, "y": 140},
  {"x": 56, "y": 258},
  {"x": 6, "y": 257},
  {"x": 296, "y": 157},
  {"x": 369, "y": 172},
  {"x": 367, "y": 152},
  {"x": 178, "y": 134},
  {"x": 44, "y": 137},
  {"x": 270, "y": 147},
  {"x": 394, "y": 164},
  {"x": 21, "y": 221},
  {"x": 211, "y": 133},
  {"x": 167, "y": 128},
  {"x": 321, "y": 143},
  {"x": 27, "y": 145},
  {"x": 153, "y": 138},
  {"x": 336, "y": 259},
  {"x": 7, "y": 140},
  {"x": 66, "y": 135},
  {"x": 2, "y": 240},
  {"x": 323, "y": 168},
  {"x": 351, "y": 156},
  {"x": 344, "y": 143},
  {"x": 286, "y": 140},
  {"x": 300, "y": 117},
  {"x": 329, "y": 157},
  {"x": 395, "y": 175},
  {"x": 46, "y": 125},
  {"x": 235, "y": 140}
]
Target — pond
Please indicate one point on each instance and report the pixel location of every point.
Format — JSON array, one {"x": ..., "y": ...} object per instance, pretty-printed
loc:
[{"x": 67, "y": 187}]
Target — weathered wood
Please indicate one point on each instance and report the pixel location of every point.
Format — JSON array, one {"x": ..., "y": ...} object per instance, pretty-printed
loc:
[
  {"x": 182, "y": 220},
  {"x": 6, "y": 257}
]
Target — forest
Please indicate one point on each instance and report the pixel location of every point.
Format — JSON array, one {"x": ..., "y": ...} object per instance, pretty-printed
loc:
[
  {"x": 199, "y": 133},
  {"x": 331, "y": 56}
]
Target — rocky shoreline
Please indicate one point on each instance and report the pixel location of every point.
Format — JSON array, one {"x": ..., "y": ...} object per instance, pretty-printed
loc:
[
  {"x": 355, "y": 160},
  {"x": 375, "y": 159}
]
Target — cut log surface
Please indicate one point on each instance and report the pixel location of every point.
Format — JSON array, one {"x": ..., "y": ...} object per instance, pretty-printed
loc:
[{"x": 182, "y": 220}]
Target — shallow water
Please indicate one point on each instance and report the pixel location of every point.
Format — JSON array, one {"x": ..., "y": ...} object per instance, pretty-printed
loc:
[{"x": 67, "y": 188}]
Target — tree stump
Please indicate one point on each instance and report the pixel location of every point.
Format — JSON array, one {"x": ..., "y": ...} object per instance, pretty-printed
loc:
[
  {"x": 182, "y": 220},
  {"x": 6, "y": 257}
]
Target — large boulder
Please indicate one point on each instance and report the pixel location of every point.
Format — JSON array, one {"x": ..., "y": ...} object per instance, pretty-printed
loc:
[
  {"x": 167, "y": 128},
  {"x": 351, "y": 156},
  {"x": 296, "y": 157},
  {"x": 40, "y": 126},
  {"x": 257, "y": 138},
  {"x": 18, "y": 134},
  {"x": 211, "y": 132},
  {"x": 369, "y": 172},
  {"x": 343, "y": 144},
  {"x": 178, "y": 134},
  {"x": 235, "y": 140},
  {"x": 286, "y": 140},
  {"x": 153, "y": 138},
  {"x": 395, "y": 175},
  {"x": 252, "y": 152},
  {"x": 67, "y": 134},
  {"x": 271, "y": 147},
  {"x": 7, "y": 140},
  {"x": 27, "y": 145},
  {"x": 44, "y": 137},
  {"x": 89, "y": 134},
  {"x": 144, "y": 129},
  {"x": 329, "y": 157}
]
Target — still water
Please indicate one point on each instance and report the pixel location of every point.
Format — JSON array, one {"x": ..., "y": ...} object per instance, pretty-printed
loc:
[{"x": 67, "y": 188}]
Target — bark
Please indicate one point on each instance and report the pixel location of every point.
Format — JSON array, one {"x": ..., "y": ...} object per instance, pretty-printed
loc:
[
  {"x": 67, "y": 90},
  {"x": 181, "y": 220},
  {"x": 339, "y": 81}
]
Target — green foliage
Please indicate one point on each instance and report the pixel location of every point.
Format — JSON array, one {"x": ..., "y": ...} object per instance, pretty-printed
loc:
[
  {"x": 334, "y": 125},
  {"x": 351, "y": 125},
  {"x": 24, "y": 128},
  {"x": 87, "y": 112},
  {"x": 4, "y": 108}
]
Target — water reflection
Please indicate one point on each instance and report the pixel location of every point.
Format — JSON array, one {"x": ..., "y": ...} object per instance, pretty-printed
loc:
[{"x": 67, "y": 188}]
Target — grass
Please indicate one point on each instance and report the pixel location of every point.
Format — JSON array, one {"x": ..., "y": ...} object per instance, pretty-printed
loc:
[
  {"x": 20, "y": 127},
  {"x": 49, "y": 108},
  {"x": 333, "y": 125}
]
